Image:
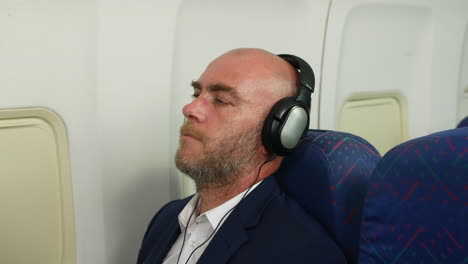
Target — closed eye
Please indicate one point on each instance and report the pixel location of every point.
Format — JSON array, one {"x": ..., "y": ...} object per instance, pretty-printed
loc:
[
  {"x": 220, "y": 101},
  {"x": 216, "y": 100}
]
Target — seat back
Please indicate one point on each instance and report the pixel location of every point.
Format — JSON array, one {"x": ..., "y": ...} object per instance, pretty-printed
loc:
[
  {"x": 327, "y": 175},
  {"x": 416, "y": 210},
  {"x": 463, "y": 123}
]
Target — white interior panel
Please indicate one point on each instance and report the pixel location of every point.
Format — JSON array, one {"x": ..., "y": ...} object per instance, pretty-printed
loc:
[
  {"x": 134, "y": 63},
  {"x": 47, "y": 51},
  {"x": 104, "y": 66},
  {"x": 383, "y": 48},
  {"x": 463, "y": 85},
  {"x": 451, "y": 18},
  {"x": 208, "y": 28},
  {"x": 409, "y": 48}
]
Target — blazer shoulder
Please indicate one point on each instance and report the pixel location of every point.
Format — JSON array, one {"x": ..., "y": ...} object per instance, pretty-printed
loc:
[
  {"x": 283, "y": 232},
  {"x": 167, "y": 213},
  {"x": 162, "y": 229},
  {"x": 300, "y": 234}
]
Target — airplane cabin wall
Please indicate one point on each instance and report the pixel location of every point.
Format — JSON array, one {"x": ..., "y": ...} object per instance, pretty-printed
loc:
[
  {"x": 104, "y": 68},
  {"x": 134, "y": 86},
  {"x": 47, "y": 53},
  {"x": 463, "y": 80},
  {"x": 410, "y": 50}
]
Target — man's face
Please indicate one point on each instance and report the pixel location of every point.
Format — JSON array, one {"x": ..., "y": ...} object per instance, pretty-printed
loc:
[{"x": 221, "y": 134}]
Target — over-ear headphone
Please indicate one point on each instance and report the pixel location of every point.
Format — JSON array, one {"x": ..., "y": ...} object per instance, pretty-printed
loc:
[{"x": 288, "y": 120}]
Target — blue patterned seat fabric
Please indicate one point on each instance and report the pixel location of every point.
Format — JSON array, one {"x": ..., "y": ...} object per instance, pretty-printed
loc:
[
  {"x": 416, "y": 210},
  {"x": 328, "y": 176}
]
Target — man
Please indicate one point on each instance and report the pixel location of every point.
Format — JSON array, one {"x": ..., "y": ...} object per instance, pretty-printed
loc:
[{"x": 239, "y": 214}]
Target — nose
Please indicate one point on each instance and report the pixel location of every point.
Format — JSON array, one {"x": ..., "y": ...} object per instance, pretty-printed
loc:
[{"x": 195, "y": 111}]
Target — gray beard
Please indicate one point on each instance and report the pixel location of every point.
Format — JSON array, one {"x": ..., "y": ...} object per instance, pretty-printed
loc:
[{"x": 222, "y": 164}]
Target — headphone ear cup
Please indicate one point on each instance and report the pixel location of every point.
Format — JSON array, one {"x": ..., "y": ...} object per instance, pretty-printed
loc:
[{"x": 285, "y": 125}]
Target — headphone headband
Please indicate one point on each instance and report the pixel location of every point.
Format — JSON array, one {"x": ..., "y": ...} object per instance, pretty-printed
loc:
[
  {"x": 306, "y": 77},
  {"x": 288, "y": 120}
]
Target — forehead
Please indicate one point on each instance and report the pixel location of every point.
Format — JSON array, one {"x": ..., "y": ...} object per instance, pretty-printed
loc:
[{"x": 248, "y": 77}]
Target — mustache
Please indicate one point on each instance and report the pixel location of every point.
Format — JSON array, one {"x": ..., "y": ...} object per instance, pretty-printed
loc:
[{"x": 187, "y": 129}]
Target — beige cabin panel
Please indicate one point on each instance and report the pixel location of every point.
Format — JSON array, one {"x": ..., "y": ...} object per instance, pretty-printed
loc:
[
  {"x": 378, "y": 120},
  {"x": 35, "y": 198}
]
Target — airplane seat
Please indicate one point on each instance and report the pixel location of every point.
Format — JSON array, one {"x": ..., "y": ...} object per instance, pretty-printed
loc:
[
  {"x": 463, "y": 123},
  {"x": 416, "y": 208},
  {"x": 327, "y": 175}
]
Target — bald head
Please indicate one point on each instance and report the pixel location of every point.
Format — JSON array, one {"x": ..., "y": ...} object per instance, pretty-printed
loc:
[{"x": 261, "y": 67}]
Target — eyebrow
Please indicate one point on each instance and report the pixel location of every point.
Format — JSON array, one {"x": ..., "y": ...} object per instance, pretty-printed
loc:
[{"x": 218, "y": 87}]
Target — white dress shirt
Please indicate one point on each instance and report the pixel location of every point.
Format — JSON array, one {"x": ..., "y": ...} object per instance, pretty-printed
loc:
[{"x": 199, "y": 228}]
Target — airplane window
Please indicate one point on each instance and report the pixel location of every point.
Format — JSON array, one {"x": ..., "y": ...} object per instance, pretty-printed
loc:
[
  {"x": 378, "y": 120},
  {"x": 35, "y": 188}
]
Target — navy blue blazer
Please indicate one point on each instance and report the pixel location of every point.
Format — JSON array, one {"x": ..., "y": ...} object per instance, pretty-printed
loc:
[{"x": 266, "y": 227}]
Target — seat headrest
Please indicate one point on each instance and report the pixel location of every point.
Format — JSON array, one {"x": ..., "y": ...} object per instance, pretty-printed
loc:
[{"x": 327, "y": 175}]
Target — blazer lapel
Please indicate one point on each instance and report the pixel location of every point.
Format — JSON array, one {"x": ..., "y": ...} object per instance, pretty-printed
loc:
[
  {"x": 225, "y": 242},
  {"x": 166, "y": 241},
  {"x": 232, "y": 234}
]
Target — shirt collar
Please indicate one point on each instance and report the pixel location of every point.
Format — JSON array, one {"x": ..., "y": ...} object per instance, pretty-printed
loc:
[
  {"x": 215, "y": 215},
  {"x": 189, "y": 208}
]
